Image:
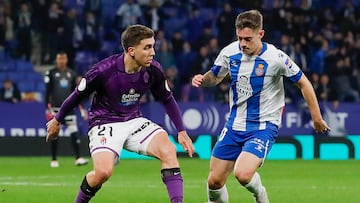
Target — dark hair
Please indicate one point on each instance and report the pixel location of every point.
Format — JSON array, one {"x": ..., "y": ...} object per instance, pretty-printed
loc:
[
  {"x": 252, "y": 19},
  {"x": 134, "y": 34}
]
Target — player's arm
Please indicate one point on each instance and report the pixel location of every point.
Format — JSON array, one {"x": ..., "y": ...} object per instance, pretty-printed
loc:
[
  {"x": 308, "y": 93},
  {"x": 161, "y": 92},
  {"x": 173, "y": 111},
  {"x": 207, "y": 80}
]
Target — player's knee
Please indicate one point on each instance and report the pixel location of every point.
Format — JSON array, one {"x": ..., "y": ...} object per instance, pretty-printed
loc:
[
  {"x": 167, "y": 152},
  {"x": 243, "y": 177},
  {"x": 215, "y": 183},
  {"x": 103, "y": 174}
]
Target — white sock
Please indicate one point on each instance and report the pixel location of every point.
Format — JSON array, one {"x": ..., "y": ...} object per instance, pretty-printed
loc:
[
  {"x": 219, "y": 195},
  {"x": 254, "y": 185}
]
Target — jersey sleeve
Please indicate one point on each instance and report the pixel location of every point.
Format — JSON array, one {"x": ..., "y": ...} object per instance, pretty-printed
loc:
[
  {"x": 221, "y": 65},
  {"x": 289, "y": 68}
]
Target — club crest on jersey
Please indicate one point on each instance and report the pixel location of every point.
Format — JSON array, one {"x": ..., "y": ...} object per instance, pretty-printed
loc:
[{"x": 259, "y": 71}]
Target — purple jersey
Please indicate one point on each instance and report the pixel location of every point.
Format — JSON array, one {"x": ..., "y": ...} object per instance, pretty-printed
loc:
[{"x": 117, "y": 94}]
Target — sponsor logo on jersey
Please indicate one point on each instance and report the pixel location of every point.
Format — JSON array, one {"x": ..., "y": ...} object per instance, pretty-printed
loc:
[
  {"x": 244, "y": 87},
  {"x": 132, "y": 97}
]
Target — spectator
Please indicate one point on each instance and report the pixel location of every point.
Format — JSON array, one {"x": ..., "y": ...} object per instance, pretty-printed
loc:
[
  {"x": 185, "y": 61},
  {"x": 53, "y": 21},
  {"x": 341, "y": 77},
  {"x": 9, "y": 92},
  {"x": 7, "y": 37},
  {"x": 69, "y": 36},
  {"x": 318, "y": 61},
  {"x": 91, "y": 34},
  {"x": 154, "y": 15},
  {"x": 23, "y": 28},
  {"x": 191, "y": 94},
  {"x": 129, "y": 13},
  {"x": 177, "y": 42},
  {"x": 95, "y": 7},
  {"x": 224, "y": 22},
  {"x": 324, "y": 91}
]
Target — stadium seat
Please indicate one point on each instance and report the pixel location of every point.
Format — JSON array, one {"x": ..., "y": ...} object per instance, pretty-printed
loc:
[
  {"x": 16, "y": 76},
  {"x": 3, "y": 76},
  {"x": 3, "y": 56},
  {"x": 34, "y": 76},
  {"x": 84, "y": 60},
  {"x": 7, "y": 65},
  {"x": 21, "y": 65},
  {"x": 26, "y": 86}
]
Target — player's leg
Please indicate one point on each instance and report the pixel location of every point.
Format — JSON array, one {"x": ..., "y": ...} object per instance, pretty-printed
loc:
[
  {"x": 150, "y": 139},
  {"x": 106, "y": 142},
  {"x": 245, "y": 172},
  {"x": 251, "y": 158},
  {"x": 224, "y": 154},
  {"x": 218, "y": 174},
  {"x": 161, "y": 148},
  {"x": 73, "y": 132},
  {"x": 53, "y": 149},
  {"x": 92, "y": 182}
]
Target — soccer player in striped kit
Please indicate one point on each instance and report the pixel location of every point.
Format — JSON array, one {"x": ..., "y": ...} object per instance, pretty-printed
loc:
[
  {"x": 256, "y": 70},
  {"x": 115, "y": 121}
]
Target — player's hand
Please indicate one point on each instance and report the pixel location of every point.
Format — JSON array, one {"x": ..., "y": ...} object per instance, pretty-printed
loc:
[
  {"x": 197, "y": 80},
  {"x": 186, "y": 142},
  {"x": 48, "y": 115},
  {"x": 321, "y": 126},
  {"x": 53, "y": 129}
]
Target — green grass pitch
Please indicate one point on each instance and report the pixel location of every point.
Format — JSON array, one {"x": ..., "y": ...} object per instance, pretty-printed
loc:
[{"x": 31, "y": 180}]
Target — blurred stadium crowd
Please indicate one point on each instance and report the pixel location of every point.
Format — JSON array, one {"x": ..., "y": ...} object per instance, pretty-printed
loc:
[{"x": 321, "y": 36}]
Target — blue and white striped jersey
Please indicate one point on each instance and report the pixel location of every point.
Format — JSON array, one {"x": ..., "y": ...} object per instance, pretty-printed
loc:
[{"x": 257, "y": 90}]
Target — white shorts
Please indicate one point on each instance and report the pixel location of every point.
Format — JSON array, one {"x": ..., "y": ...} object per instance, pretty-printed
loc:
[{"x": 133, "y": 135}]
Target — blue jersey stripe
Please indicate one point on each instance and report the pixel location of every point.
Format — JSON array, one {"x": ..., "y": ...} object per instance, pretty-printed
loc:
[
  {"x": 253, "y": 103},
  {"x": 234, "y": 72}
]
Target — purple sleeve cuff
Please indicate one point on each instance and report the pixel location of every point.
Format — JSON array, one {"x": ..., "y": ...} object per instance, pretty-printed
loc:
[
  {"x": 68, "y": 105},
  {"x": 173, "y": 111}
]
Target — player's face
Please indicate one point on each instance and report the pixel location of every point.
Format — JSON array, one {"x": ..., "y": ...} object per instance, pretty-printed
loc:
[
  {"x": 61, "y": 60},
  {"x": 250, "y": 40},
  {"x": 144, "y": 52}
]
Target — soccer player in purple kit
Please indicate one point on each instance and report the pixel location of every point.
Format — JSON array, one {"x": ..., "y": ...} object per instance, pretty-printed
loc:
[{"x": 115, "y": 121}]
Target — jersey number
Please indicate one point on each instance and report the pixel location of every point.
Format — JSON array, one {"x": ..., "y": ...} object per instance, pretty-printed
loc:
[{"x": 104, "y": 129}]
